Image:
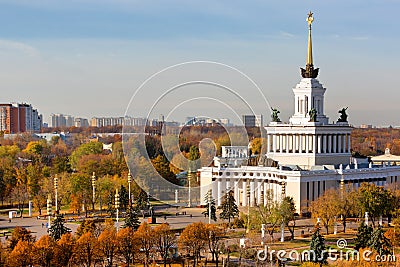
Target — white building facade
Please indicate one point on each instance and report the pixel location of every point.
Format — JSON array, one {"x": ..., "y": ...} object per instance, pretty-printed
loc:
[{"x": 311, "y": 155}]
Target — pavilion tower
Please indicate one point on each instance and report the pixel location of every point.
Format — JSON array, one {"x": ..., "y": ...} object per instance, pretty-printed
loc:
[{"x": 308, "y": 139}]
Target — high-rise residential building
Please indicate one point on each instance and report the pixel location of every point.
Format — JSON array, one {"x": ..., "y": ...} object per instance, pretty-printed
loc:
[
  {"x": 81, "y": 122},
  {"x": 17, "y": 118},
  {"x": 61, "y": 120},
  {"x": 253, "y": 120}
]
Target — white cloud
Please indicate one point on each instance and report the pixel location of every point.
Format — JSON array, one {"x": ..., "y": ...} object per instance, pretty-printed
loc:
[{"x": 7, "y": 46}]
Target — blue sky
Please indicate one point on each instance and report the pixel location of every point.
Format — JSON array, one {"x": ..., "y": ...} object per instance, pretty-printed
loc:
[{"x": 87, "y": 57}]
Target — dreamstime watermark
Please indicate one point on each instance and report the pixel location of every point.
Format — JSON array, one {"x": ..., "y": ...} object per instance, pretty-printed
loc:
[{"x": 342, "y": 253}]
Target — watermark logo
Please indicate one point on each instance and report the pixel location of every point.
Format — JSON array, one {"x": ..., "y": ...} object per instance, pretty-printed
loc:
[{"x": 342, "y": 253}]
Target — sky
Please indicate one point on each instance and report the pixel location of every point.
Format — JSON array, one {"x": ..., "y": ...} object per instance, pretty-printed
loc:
[{"x": 87, "y": 58}]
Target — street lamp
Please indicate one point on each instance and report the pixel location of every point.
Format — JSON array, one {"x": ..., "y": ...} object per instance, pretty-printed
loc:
[
  {"x": 56, "y": 192},
  {"x": 94, "y": 188},
  {"x": 117, "y": 206},
  {"x": 129, "y": 186},
  {"x": 48, "y": 210},
  {"x": 248, "y": 207}
]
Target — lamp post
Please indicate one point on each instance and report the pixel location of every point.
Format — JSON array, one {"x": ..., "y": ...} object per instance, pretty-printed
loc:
[
  {"x": 48, "y": 210},
  {"x": 94, "y": 189},
  {"x": 56, "y": 192},
  {"x": 117, "y": 207},
  {"x": 248, "y": 207},
  {"x": 129, "y": 186}
]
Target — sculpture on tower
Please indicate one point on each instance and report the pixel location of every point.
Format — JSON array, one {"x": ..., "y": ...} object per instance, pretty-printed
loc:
[
  {"x": 313, "y": 115},
  {"x": 309, "y": 71},
  {"x": 343, "y": 115},
  {"x": 274, "y": 115}
]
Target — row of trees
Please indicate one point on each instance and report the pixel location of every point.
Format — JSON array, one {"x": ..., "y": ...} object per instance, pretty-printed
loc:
[
  {"x": 102, "y": 244},
  {"x": 335, "y": 205}
]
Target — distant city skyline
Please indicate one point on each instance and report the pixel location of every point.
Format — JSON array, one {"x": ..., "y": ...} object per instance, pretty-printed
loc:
[{"x": 88, "y": 57}]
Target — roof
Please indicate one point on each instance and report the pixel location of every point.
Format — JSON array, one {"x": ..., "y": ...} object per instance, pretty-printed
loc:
[{"x": 386, "y": 157}]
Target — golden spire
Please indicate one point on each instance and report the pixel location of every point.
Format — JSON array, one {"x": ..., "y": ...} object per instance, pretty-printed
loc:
[
  {"x": 310, "y": 20},
  {"x": 309, "y": 72}
]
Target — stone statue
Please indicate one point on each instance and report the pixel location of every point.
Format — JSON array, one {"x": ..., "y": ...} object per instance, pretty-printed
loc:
[
  {"x": 274, "y": 115},
  {"x": 313, "y": 115},
  {"x": 343, "y": 115}
]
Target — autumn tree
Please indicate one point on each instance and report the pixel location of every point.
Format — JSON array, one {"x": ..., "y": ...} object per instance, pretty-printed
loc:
[
  {"x": 86, "y": 249},
  {"x": 164, "y": 240},
  {"x": 43, "y": 251},
  {"x": 65, "y": 250},
  {"x": 87, "y": 226},
  {"x": 20, "y": 234},
  {"x": 107, "y": 242},
  {"x": 193, "y": 239},
  {"x": 20, "y": 195},
  {"x": 229, "y": 208},
  {"x": 326, "y": 208},
  {"x": 215, "y": 236},
  {"x": 268, "y": 215},
  {"x": 127, "y": 245},
  {"x": 146, "y": 238},
  {"x": 287, "y": 211},
  {"x": 21, "y": 255},
  {"x": 347, "y": 204}
]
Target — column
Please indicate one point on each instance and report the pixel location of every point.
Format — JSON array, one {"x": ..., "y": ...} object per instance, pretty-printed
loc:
[
  {"x": 259, "y": 189},
  {"x": 287, "y": 143},
  {"x": 274, "y": 143},
  {"x": 329, "y": 143},
  {"x": 268, "y": 143},
  {"x": 340, "y": 143},
  {"x": 300, "y": 143},
  {"x": 314, "y": 143},
  {"x": 236, "y": 191},
  {"x": 228, "y": 185},
  {"x": 348, "y": 143},
  {"x": 334, "y": 136},
  {"x": 324, "y": 141},
  {"x": 319, "y": 141},
  {"x": 293, "y": 143},
  {"x": 280, "y": 143},
  {"x": 307, "y": 143},
  {"x": 265, "y": 192},
  {"x": 344, "y": 139},
  {"x": 219, "y": 191},
  {"x": 252, "y": 189},
  {"x": 244, "y": 193}
]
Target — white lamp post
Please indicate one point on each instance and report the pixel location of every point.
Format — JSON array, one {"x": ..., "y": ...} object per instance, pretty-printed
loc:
[
  {"x": 56, "y": 192},
  {"x": 94, "y": 188},
  {"x": 117, "y": 207},
  {"x": 129, "y": 186},
  {"x": 49, "y": 210}
]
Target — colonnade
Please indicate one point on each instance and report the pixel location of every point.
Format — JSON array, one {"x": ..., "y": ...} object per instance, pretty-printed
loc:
[{"x": 308, "y": 143}]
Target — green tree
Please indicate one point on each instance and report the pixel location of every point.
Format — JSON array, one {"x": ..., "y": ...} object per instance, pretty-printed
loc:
[
  {"x": 363, "y": 237},
  {"x": 317, "y": 246},
  {"x": 58, "y": 228},
  {"x": 375, "y": 200},
  {"x": 132, "y": 218},
  {"x": 379, "y": 242},
  {"x": 123, "y": 197},
  {"x": 229, "y": 208},
  {"x": 210, "y": 206},
  {"x": 85, "y": 149},
  {"x": 287, "y": 211}
]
